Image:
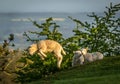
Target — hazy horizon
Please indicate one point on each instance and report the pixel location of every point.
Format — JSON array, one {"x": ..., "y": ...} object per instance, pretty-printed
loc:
[{"x": 65, "y": 6}]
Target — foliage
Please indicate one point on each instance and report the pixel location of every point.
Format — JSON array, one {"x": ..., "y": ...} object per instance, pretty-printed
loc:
[
  {"x": 37, "y": 68},
  {"x": 104, "y": 71},
  {"x": 40, "y": 68},
  {"x": 4, "y": 48},
  {"x": 48, "y": 30},
  {"x": 101, "y": 35},
  {"x": 7, "y": 42}
]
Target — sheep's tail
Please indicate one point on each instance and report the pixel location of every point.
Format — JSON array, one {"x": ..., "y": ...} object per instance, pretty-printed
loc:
[{"x": 63, "y": 52}]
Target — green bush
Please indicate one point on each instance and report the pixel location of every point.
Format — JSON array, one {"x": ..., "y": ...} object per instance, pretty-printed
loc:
[
  {"x": 4, "y": 48},
  {"x": 37, "y": 68},
  {"x": 40, "y": 68},
  {"x": 101, "y": 35}
]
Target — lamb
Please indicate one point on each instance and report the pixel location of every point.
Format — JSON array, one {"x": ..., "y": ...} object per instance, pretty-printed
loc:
[
  {"x": 45, "y": 46},
  {"x": 91, "y": 56},
  {"x": 78, "y": 58}
]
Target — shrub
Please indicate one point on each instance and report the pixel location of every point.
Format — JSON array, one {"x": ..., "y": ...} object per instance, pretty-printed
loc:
[
  {"x": 4, "y": 48},
  {"x": 101, "y": 35}
]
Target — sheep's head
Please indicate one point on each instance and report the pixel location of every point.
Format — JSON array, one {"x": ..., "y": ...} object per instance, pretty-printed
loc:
[
  {"x": 32, "y": 49},
  {"x": 84, "y": 51},
  {"x": 77, "y": 53}
]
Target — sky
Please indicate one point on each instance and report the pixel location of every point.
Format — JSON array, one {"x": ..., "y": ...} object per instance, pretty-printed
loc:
[{"x": 71, "y": 6}]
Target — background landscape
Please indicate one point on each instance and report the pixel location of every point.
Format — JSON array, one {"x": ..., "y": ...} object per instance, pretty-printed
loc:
[{"x": 75, "y": 25}]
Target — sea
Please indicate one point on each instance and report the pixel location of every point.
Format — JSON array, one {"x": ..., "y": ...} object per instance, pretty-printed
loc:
[{"x": 18, "y": 23}]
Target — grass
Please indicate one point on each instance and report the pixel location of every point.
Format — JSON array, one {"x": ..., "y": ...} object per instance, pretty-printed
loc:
[{"x": 106, "y": 71}]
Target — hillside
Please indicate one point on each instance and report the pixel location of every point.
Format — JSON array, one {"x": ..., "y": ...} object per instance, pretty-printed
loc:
[{"x": 106, "y": 71}]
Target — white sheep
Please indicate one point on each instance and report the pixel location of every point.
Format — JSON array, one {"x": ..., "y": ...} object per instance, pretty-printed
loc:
[
  {"x": 91, "y": 56},
  {"x": 80, "y": 56},
  {"x": 77, "y": 58}
]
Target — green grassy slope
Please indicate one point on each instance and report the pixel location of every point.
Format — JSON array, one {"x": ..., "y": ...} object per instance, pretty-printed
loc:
[{"x": 106, "y": 71}]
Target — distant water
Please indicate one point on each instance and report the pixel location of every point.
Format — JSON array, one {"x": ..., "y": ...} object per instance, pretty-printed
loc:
[{"x": 18, "y": 23}]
